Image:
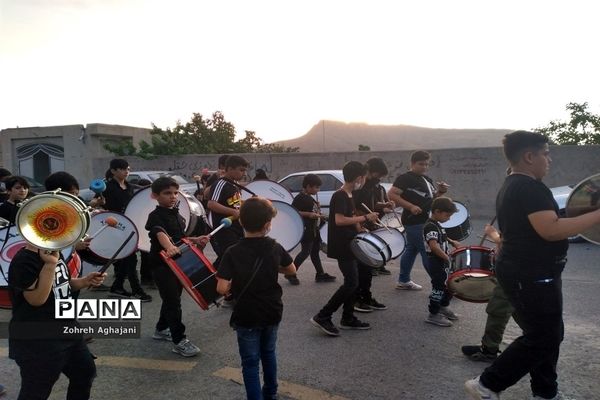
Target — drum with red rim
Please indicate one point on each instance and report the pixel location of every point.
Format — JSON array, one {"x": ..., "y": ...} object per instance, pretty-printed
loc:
[
  {"x": 472, "y": 273},
  {"x": 196, "y": 274}
]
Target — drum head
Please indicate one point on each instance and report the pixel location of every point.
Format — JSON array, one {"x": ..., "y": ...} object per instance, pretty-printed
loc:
[
  {"x": 475, "y": 286},
  {"x": 394, "y": 239},
  {"x": 392, "y": 220},
  {"x": 142, "y": 204},
  {"x": 107, "y": 240},
  {"x": 11, "y": 242},
  {"x": 287, "y": 227},
  {"x": 268, "y": 189},
  {"x": 585, "y": 198}
]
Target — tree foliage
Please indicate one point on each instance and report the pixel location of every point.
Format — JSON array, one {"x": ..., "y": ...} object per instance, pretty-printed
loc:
[
  {"x": 198, "y": 136},
  {"x": 583, "y": 128},
  {"x": 364, "y": 147}
]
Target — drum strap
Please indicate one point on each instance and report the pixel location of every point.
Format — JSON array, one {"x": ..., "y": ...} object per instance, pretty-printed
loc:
[{"x": 257, "y": 265}]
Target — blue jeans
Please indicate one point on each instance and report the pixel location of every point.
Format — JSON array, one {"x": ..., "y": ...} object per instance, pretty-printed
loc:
[
  {"x": 415, "y": 244},
  {"x": 258, "y": 344}
]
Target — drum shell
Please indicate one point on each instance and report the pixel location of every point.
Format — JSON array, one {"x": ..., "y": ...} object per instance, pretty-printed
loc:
[
  {"x": 472, "y": 273},
  {"x": 458, "y": 227}
]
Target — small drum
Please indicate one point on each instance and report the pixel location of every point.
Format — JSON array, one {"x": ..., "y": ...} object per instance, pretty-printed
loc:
[
  {"x": 392, "y": 220},
  {"x": 142, "y": 204},
  {"x": 10, "y": 243},
  {"x": 53, "y": 220},
  {"x": 472, "y": 276},
  {"x": 108, "y": 240},
  {"x": 323, "y": 233},
  {"x": 268, "y": 189},
  {"x": 287, "y": 227},
  {"x": 458, "y": 227},
  {"x": 378, "y": 247},
  {"x": 196, "y": 274}
]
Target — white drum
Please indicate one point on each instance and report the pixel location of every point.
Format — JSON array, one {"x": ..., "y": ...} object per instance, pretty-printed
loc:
[
  {"x": 142, "y": 204},
  {"x": 323, "y": 233},
  {"x": 268, "y": 189},
  {"x": 458, "y": 227},
  {"x": 392, "y": 220},
  {"x": 378, "y": 247},
  {"x": 287, "y": 227},
  {"x": 108, "y": 240}
]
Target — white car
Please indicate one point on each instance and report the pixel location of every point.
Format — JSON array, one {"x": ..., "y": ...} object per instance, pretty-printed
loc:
[
  {"x": 134, "y": 176},
  {"x": 332, "y": 180}
]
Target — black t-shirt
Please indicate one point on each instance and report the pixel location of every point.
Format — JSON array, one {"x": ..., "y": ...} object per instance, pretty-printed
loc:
[
  {"x": 167, "y": 220},
  {"x": 8, "y": 211},
  {"x": 116, "y": 197},
  {"x": 24, "y": 270},
  {"x": 260, "y": 304},
  {"x": 520, "y": 196},
  {"x": 227, "y": 195},
  {"x": 339, "y": 237},
  {"x": 305, "y": 203},
  {"x": 418, "y": 190},
  {"x": 432, "y": 230}
]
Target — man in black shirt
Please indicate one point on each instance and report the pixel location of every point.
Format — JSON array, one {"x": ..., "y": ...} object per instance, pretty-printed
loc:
[
  {"x": 344, "y": 224},
  {"x": 529, "y": 268},
  {"x": 414, "y": 191}
]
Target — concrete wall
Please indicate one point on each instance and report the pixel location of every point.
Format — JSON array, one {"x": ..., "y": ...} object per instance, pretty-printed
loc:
[{"x": 474, "y": 174}]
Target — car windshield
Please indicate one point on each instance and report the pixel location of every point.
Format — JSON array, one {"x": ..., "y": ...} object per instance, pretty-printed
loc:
[{"x": 179, "y": 179}]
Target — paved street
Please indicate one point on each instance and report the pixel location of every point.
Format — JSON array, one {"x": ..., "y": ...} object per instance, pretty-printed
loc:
[{"x": 400, "y": 358}]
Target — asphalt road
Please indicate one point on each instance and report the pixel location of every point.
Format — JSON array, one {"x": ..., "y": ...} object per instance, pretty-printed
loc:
[{"x": 400, "y": 358}]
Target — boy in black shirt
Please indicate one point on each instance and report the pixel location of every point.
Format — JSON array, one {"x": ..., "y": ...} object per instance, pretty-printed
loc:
[
  {"x": 529, "y": 269},
  {"x": 249, "y": 271},
  {"x": 17, "y": 189},
  {"x": 36, "y": 279},
  {"x": 311, "y": 241},
  {"x": 414, "y": 191},
  {"x": 343, "y": 226},
  {"x": 167, "y": 227},
  {"x": 438, "y": 261}
]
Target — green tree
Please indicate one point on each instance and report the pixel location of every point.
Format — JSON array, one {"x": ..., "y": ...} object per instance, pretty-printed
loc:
[
  {"x": 364, "y": 147},
  {"x": 583, "y": 127},
  {"x": 198, "y": 136}
]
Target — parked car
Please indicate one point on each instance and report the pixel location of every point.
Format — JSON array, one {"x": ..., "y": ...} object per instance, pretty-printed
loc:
[
  {"x": 135, "y": 176},
  {"x": 332, "y": 180}
]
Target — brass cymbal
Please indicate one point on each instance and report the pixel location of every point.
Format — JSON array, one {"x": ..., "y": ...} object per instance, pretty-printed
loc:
[{"x": 585, "y": 198}]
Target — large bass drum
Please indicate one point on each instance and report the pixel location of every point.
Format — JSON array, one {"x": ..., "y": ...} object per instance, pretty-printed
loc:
[{"x": 269, "y": 190}]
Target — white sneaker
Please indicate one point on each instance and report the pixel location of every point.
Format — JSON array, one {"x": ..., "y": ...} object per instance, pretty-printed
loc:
[
  {"x": 448, "y": 313},
  {"x": 438, "y": 319},
  {"x": 476, "y": 391},
  {"x": 186, "y": 348},
  {"x": 408, "y": 286},
  {"x": 165, "y": 334}
]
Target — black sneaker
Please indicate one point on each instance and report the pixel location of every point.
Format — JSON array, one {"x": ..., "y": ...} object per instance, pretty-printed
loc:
[
  {"x": 293, "y": 279},
  {"x": 325, "y": 325},
  {"x": 355, "y": 324},
  {"x": 362, "y": 306},
  {"x": 324, "y": 277},
  {"x": 143, "y": 296},
  {"x": 375, "y": 305},
  {"x": 383, "y": 271},
  {"x": 374, "y": 272},
  {"x": 120, "y": 292},
  {"x": 480, "y": 353}
]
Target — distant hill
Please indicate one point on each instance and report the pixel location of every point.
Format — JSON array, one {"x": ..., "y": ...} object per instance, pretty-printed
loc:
[{"x": 341, "y": 136}]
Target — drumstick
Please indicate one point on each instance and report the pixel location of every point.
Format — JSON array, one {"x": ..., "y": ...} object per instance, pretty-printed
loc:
[
  {"x": 109, "y": 221},
  {"x": 484, "y": 237},
  {"x": 225, "y": 223},
  {"x": 397, "y": 217},
  {"x": 378, "y": 220}
]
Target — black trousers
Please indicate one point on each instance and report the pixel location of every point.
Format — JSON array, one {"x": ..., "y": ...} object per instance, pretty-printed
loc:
[
  {"x": 365, "y": 279},
  {"x": 170, "y": 290},
  {"x": 127, "y": 268},
  {"x": 310, "y": 247},
  {"x": 438, "y": 272},
  {"x": 346, "y": 294},
  {"x": 535, "y": 292},
  {"x": 39, "y": 375}
]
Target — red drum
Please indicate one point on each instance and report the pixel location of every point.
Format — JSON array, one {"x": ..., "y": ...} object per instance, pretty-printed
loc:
[
  {"x": 196, "y": 274},
  {"x": 472, "y": 276},
  {"x": 104, "y": 245},
  {"x": 11, "y": 242}
]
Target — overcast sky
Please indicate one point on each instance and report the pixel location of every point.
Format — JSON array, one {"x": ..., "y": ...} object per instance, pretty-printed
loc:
[{"x": 278, "y": 67}]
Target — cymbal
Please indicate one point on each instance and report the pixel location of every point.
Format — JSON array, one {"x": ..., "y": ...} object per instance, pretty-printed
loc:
[{"x": 585, "y": 198}]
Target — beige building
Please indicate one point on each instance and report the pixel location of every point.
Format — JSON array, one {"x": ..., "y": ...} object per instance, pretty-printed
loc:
[{"x": 37, "y": 152}]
